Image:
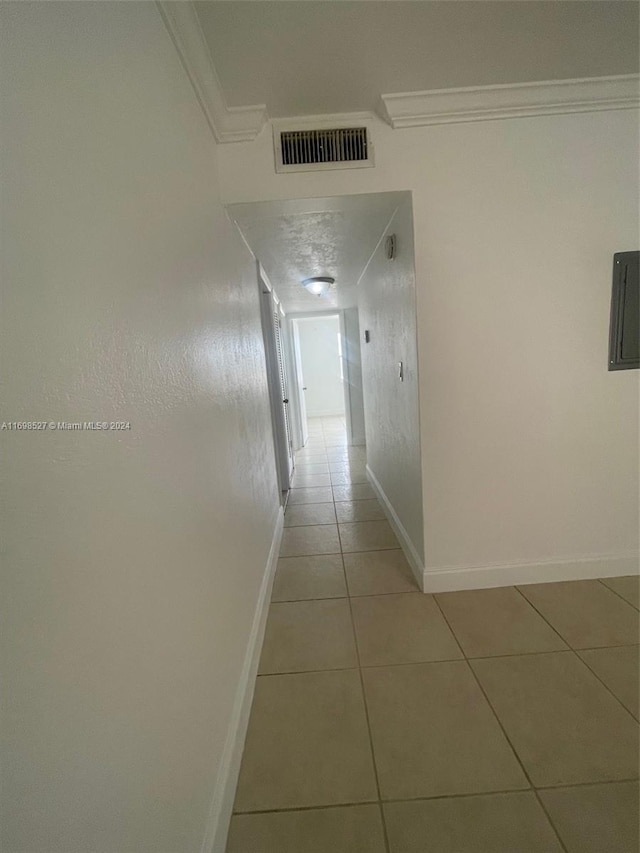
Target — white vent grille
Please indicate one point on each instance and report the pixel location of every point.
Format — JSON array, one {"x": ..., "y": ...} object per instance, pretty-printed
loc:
[{"x": 332, "y": 148}]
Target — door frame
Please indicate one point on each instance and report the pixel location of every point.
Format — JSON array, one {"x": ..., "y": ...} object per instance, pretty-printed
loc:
[
  {"x": 269, "y": 306},
  {"x": 298, "y": 405},
  {"x": 297, "y": 370}
]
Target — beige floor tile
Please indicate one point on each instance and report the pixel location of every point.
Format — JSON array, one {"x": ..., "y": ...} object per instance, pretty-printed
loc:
[
  {"x": 378, "y": 572},
  {"x": 310, "y": 496},
  {"x": 565, "y": 726},
  {"x": 491, "y": 823},
  {"x": 618, "y": 668},
  {"x": 585, "y": 613},
  {"x": 628, "y": 587},
  {"x": 345, "y": 478},
  {"x": 344, "y": 462},
  {"x": 310, "y": 481},
  {"x": 435, "y": 734},
  {"x": 348, "y": 454},
  {"x": 359, "y": 492},
  {"x": 596, "y": 818},
  {"x": 308, "y": 635},
  {"x": 312, "y": 468},
  {"x": 404, "y": 628},
  {"x": 367, "y": 536},
  {"x": 343, "y": 829},
  {"x": 300, "y": 515},
  {"x": 314, "y": 539},
  {"x": 356, "y": 464},
  {"x": 346, "y": 465},
  {"x": 307, "y": 743},
  {"x": 300, "y": 578},
  {"x": 359, "y": 511},
  {"x": 497, "y": 622}
]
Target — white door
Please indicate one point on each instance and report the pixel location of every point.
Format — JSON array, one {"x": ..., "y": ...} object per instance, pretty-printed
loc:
[
  {"x": 284, "y": 388},
  {"x": 302, "y": 407},
  {"x": 276, "y": 378}
]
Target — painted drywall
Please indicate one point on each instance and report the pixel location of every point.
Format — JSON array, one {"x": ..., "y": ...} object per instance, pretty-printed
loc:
[
  {"x": 321, "y": 368},
  {"x": 387, "y": 306},
  {"x": 132, "y": 559},
  {"x": 529, "y": 444},
  {"x": 279, "y": 55},
  {"x": 353, "y": 375}
]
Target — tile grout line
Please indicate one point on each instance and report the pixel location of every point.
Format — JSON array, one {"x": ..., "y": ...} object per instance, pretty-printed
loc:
[
  {"x": 575, "y": 652},
  {"x": 368, "y": 721},
  {"x": 333, "y": 553},
  {"x": 327, "y": 523},
  {"x": 502, "y": 728},
  {"x": 595, "y": 674},
  {"x": 438, "y": 797},
  {"x": 385, "y": 833},
  {"x": 615, "y": 592},
  {"x": 543, "y": 617},
  {"x": 402, "y": 663},
  {"x": 468, "y": 661}
]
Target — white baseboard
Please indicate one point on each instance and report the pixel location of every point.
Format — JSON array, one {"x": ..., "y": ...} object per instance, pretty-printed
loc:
[
  {"x": 410, "y": 552},
  {"x": 215, "y": 839},
  {"x": 452, "y": 578}
]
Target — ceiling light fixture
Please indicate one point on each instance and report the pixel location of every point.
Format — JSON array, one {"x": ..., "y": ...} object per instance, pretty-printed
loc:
[{"x": 318, "y": 284}]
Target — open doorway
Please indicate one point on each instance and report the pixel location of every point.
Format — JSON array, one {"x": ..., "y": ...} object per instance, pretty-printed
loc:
[
  {"x": 326, "y": 374},
  {"x": 319, "y": 368},
  {"x": 351, "y": 350},
  {"x": 272, "y": 317}
]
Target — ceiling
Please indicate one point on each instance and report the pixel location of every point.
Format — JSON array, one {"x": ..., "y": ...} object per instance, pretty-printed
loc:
[
  {"x": 296, "y": 239},
  {"x": 308, "y": 57}
]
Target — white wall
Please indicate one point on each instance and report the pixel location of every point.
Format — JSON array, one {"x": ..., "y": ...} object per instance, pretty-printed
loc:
[
  {"x": 320, "y": 357},
  {"x": 387, "y": 306},
  {"x": 529, "y": 444},
  {"x": 132, "y": 560}
]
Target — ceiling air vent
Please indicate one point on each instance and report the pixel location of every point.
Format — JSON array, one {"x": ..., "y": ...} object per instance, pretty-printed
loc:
[{"x": 332, "y": 148}]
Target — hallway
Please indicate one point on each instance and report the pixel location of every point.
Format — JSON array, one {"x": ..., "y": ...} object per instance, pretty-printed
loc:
[
  {"x": 175, "y": 641},
  {"x": 472, "y": 722}
]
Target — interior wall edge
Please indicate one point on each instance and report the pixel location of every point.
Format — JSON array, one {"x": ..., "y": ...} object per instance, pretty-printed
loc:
[
  {"x": 455, "y": 578},
  {"x": 410, "y": 550}
]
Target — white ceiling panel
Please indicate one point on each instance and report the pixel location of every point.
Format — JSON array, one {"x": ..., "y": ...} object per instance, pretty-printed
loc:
[
  {"x": 297, "y": 239},
  {"x": 306, "y": 57}
]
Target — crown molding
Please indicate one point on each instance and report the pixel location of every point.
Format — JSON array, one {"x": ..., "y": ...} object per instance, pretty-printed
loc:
[
  {"x": 228, "y": 124},
  {"x": 514, "y": 100},
  {"x": 325, "y": 121}
]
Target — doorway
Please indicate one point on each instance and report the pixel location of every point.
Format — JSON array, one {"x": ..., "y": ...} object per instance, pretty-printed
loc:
[
  {"x": 363, "y": 247},
  {"x": 318, "y": 350},
  {"x": 277, "y": 377}
]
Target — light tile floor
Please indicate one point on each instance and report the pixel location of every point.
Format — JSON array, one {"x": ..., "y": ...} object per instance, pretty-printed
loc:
[{"x": 388, "y": 721}]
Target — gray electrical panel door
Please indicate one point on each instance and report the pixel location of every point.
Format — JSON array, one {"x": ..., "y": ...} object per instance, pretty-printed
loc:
[{"x": 624, "y": 333}]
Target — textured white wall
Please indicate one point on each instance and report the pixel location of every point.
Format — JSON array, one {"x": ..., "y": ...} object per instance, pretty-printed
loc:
[
  {"x": 132, "y": 560},
  {"x": 387, "y": 306},
  {"x": 320, "y": 359},
  {"x": 529, "y": 444}
]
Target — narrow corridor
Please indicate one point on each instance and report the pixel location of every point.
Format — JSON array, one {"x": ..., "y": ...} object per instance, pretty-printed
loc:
[{"x": 388, "y": 721}]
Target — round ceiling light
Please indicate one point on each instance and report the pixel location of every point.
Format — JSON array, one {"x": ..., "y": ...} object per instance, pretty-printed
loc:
[{"x": 318, "y": 284}]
